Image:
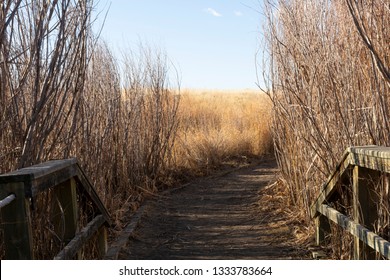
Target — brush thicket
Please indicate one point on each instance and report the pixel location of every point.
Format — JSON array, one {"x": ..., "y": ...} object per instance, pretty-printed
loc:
[{"x": 330, "y": 86}]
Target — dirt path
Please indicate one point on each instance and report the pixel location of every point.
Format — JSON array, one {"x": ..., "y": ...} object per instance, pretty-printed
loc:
[{"x": 214, "y": 218}]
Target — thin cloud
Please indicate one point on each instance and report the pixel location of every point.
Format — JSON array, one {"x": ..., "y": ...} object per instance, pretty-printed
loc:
[
  {"x": 238, "y": 13},
  {"x": 213, "y": 12}
]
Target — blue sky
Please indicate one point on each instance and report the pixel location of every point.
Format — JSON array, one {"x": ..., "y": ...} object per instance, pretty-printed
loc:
[{"x": 211, "y": 43}]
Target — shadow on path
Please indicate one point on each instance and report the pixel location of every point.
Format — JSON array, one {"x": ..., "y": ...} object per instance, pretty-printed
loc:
[{"x": 213, "y": 218}]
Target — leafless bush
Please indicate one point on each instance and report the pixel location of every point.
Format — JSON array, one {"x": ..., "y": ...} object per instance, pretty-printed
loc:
[
  {"x": 62, "y": 96},
  {"x": 97, "y": 128},
  {"x": 150, "y": 114},
  {"x": 329, "y": 81},
  {"x": 43, "y": 59}
]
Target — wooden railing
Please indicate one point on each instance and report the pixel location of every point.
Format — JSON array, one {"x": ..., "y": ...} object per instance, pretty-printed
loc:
[
  {"x": 360, "y": 172},
  {"x": 68, "y": 182}
]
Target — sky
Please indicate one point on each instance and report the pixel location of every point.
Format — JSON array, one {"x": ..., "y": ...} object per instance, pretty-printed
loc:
[{"x": 212, "y": 44}]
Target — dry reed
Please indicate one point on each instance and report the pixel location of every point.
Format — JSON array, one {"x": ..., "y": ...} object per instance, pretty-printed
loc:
[
  {"x": 328, "y": 78},
  {"x": 61, "y": 97}
]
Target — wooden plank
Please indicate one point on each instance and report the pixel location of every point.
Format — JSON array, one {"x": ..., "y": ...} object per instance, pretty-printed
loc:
[
  {"x": 322, "y": 229},
  {"x": 375, "y": 158},
  {"x": 102, "y": 242},
  {"x": 80, "y": 239},
  {"x": 53, "y": 179},
  {"x": 65, "y": 214},
  {"x": 372, "y": 151},
  {"x": 39, "y": 177},
  {"x": 83, "y": 179},
  {"x": 16, "y": 223},
  {"x": 42, "y": 176},
  {"x": 329, "y": 186},
  {"x": 123, "y": 238},
  {"x": 7, "y": 200},
  {"x": 373, "y": 163},
  {"x": 373, "y": 240},
  {"x": 36, "y": 171},
  {"x": 365, "y": 200}
]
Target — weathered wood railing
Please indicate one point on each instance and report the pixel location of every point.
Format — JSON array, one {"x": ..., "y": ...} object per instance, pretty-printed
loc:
[
  {"x": 368, "y": 166},
  {"x": 66, "y": 179}
]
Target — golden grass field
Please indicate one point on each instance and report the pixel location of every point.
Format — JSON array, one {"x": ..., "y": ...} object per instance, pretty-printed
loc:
[{"x": 216, "y": 126}]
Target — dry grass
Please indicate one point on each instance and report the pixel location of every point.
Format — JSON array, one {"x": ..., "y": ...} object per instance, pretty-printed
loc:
[
  {"x": 216, "y": 126},
  {"x": 61, "y": 96},
  {"x": 274, "y": 200},
  {"x": 329, "y": 82}
]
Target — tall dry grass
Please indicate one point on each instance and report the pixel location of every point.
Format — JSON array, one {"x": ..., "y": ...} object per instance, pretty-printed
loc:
[
  {"x": 216, "y": 126},
  {"x": 328, "y": 78}
]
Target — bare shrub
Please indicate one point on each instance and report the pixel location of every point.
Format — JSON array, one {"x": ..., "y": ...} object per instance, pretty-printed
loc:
[
  {"x": 149, "y": 116},
  {"x": 43, "y": 60},
  {"x": 328, "y": 80},
  {"x": 63, "y": 94},
  {"x": 96, "y": 131},
  {"x": 126, "y": 125}
]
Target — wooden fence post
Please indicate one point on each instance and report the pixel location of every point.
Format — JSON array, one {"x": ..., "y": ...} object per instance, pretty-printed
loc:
[
  {"x": 16, "y": 223},
  {"x": 102, "y": 241},
  {"x": 65, "y": 215},
  {"x": 365, "y": 201},
  {"x": 322, "y": 229}
]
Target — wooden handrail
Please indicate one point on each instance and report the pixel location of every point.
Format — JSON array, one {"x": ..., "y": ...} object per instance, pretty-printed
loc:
[
  {"x": 71, "y": 249},
  {"x": 365, "y": 165},
  {"x": 373, "y": 240},
  {"x": 62, "y": 176},
  {"x": 41, "y": 176}
]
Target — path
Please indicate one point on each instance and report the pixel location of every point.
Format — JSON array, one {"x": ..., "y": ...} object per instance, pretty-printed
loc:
[{"x": 214, "y": 218}]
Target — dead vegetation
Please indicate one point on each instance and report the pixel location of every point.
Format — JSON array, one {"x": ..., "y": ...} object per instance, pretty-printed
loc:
[
  {"x": 328, "y": 78},
  {"x": 64, "y": 94},
  {"x": 220, "y": 126},
  {"x": 61, "y": 96}
]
